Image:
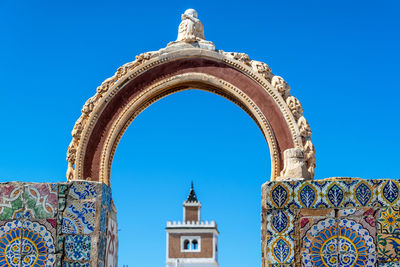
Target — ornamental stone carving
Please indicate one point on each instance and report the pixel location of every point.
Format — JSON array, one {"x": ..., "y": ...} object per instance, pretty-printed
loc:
[
  {"x": 191, "y": 48},
  {"x": 294, "y": 165},
  {"x": 279, "y": 83},
  {"x": 294, "y": 106},
  {"x": 191, "y": 29}
]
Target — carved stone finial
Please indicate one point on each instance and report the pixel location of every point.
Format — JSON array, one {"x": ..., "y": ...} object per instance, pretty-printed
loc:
[
  {"x": 191, "y": 29},
  {"x": 294, "y": 165}
]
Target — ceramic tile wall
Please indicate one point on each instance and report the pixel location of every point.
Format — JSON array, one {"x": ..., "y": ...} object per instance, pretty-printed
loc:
[
  {"x": 333, "y": 222},
  {"x": 54, "y": 224}
]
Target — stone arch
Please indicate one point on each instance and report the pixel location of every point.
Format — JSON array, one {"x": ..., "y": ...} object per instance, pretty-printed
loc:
[
  {"x": 153, "y": 75},
  {"x": 191, "y": 62}
]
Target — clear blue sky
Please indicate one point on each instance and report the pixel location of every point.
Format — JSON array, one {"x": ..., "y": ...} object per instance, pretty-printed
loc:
[{"x": 341, "y": 59}]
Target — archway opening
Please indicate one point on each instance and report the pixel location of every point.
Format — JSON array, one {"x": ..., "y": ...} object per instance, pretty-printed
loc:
[{"x": 190, "y": 135}]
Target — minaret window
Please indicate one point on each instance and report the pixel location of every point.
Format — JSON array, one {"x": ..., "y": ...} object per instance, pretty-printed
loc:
[
  {"x": 186, "y": 244},
  {"x": 195, "y": 245},
  {"x": 190, "y": 244}
]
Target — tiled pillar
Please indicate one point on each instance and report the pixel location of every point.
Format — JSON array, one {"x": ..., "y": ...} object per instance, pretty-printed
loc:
[
  {"x": 54, "y": 224},
  {"x": 333, "y": 222}
]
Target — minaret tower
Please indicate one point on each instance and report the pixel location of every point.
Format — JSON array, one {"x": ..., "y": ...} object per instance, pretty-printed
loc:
[{"x": 192, "y": 242}]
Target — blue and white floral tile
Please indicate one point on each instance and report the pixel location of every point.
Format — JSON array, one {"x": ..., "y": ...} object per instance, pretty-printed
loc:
[
  {"x": 388, "y": 220},
  {"x": 39, "y": 237},
  {"x": 101, "y": 247},
  {"x": 11, "y": 237},
  {"x": 103, "y": 219},
  {"x": 354, "y": 260},
  {"x": 362, "y": 194},
  {"x": 77, "y": 247},
  {"x": 389, "y": 264},
  {"x": 357, "y": 236},
  {"x": 280, "y": 250},
  {"x": 277, "y": 195},
  {"x": 76, "y": 264},
  {"x": 279, "y": 222},
  {"x": 319, "y": 236},
  {"x": 42, "y": 260},
  {"x": 83, "y": 190},
  {"x": 312, "y": 260},
  {"x": 357, "y": 212},
  {"x": 306, "y": 194},
  {"x": 388, "y": 192},
  {"x": 334, "y": 194},
  {"x": 106, "y": 196},
  {"x": 79, "y": 218}
]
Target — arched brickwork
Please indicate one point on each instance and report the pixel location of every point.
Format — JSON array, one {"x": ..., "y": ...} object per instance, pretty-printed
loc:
[{"x": 154, "y": 75}]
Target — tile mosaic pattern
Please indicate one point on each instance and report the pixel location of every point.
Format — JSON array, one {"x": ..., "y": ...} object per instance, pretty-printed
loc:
[
  {"x": 27, "y": 244},
  {"x": 389, "y": 193},
  {"x": 389, "y": 264},
  {"x": 331, "y": 241},
  {"x": 362, "y": 194},
  {"x": 77, "y": 247},
  {"x": 278, "y": 195},
  {"x": 76, "y": 264},
  {"x": 83, "y": 190},
  {"x": 101, "y": 247},
  {"x": 38, "y": 237},
  {"x": 11, "y": 201},
  {"x": 79, "y": 218},
  {"x": 103, "y": 220},
  {"x": 46, "y": 260},
  {"x": 280, "y": 222},
  {"x": 41, "y": 200},
  {"x": 333, "y": 222},
  {"x": 106, "y": 197},
  {"x": 34, "y": 215},
  {"x": 10, "y": 240},
  {"x": 388, "y": 247},
  {"x": 389, "y": 220},
  {"x": 307, "y": 195},
  {"x": 280, "y": 250}
]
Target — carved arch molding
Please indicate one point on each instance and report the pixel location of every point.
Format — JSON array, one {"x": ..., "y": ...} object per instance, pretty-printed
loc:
[{"x": 153, "y": 75}]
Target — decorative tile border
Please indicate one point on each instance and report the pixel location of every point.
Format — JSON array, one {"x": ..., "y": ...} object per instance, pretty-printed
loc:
[
  {"x": 278, "y": 195},
  {"x": 280, "y": 250},
  {"x": 389, "y": 193},
  {"x": 279, "y": 222}
]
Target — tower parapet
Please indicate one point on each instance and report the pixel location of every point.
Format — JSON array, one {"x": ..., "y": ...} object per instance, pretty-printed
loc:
[{"x": 192, "y": 242}]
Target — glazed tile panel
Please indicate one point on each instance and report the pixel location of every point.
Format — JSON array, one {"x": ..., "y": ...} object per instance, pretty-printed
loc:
[
  {"x": 54, "y": 224},
  {"x": 333, "y": 222}
]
